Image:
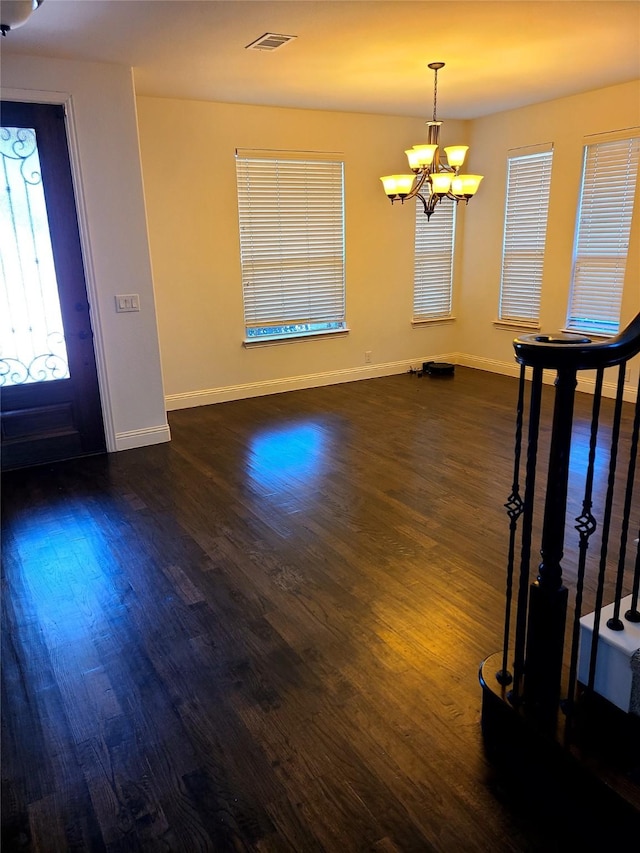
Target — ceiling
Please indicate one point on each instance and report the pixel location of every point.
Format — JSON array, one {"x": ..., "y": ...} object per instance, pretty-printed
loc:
[{"x": 366, "y": 56}]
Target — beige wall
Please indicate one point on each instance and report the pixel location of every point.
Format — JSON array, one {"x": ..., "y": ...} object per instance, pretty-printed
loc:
[
  {"x": 188, "y": 159},
  {"x": 565, "y": 123},
  {"x": 189, "y": 173}
]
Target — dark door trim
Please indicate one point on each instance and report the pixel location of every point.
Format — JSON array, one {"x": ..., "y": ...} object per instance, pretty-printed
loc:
[{"x": 61, "y": 418}]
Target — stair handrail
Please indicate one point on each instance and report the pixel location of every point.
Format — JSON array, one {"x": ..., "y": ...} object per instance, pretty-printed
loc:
[{"x": 578, "y": 352}]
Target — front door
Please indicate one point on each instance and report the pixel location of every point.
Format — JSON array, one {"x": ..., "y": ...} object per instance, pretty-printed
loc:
[{"x": 49, "y": 396}]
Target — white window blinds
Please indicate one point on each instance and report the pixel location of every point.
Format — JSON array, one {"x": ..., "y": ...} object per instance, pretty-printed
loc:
[
  {"x": 525, "y": 231},
  {"x": 609, "y": 177},
  {"x": 291, "y": 216},
  {"x": 433, "y": 271}
]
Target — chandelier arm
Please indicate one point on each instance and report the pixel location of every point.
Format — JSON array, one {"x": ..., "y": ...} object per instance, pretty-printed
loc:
[
  {"x": 455, "y": 197},
  {"x": 415, "y": 192},
  {"x": 428, "y": 204},
  {"x": 424, "y": 204}
]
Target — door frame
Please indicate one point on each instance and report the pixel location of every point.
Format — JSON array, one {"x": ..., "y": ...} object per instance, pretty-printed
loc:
[{"x": 65, "y": 100}]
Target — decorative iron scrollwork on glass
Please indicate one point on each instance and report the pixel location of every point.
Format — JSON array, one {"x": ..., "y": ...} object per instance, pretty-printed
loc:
[
  {"x": 32, "y": 344},
  {"x": 42, "y": 368},
  {"x": 19, "y": 143}
]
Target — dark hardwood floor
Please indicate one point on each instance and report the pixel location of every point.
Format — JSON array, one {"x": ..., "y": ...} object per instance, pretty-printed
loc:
[{"x": 266, "y": 634}]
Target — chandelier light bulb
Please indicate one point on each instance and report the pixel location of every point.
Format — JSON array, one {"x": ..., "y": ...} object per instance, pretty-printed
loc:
[
  {"x": 421, "y": 155},
  {"x": 466, "y": 185},
  {"x": 397, "y": 185},
  {"x": 456, "y": 154},
  {"x": 441, "y": 182}
]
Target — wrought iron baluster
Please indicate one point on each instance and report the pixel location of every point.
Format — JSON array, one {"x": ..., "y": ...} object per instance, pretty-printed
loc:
[
  {"x": 632, "y": 614},
  {"x": 615, "y": 622},
  {"x": 586, "y": 526},
  {"x": 606, "y": 525},
  {"x": 527, "y": 526},
  {"x": 514, "y": 506}
]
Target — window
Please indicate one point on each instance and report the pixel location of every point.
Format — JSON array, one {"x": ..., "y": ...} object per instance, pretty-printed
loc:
[
  {"x": 525, "y": 232},
  {"x": 33, "y": 346},
  {"x": 609, "y": 175},
  {"x": 291, "y": 214},
  {"x": 433, "y": 276}
]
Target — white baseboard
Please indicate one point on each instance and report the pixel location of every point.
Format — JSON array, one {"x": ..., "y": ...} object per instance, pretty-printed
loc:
[
  {"x": 142, "y": 437},
  {"x": 293, "y": 383},
  {"x": 227, "y": 393},
  {"x": 492, "y": 365},
  {"x": 586, "y": 380}
]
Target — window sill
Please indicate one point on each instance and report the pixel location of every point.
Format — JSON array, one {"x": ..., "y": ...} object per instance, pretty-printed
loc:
[
  {"x": 510, "y": 325},
  {"x": 432, "y": 321},
  {"x": 602, "y": 336},
  {"x": 291, "y": 339}
]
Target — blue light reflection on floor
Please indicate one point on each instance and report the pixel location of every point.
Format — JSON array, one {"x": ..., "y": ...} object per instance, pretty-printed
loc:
[
  {"x": 580, "y": 449},
  {"x": 288, "y": 458},
  {"x": 66, "y": 567}
]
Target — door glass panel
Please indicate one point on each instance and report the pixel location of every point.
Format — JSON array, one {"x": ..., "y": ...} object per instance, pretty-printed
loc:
[{"x": 32, "y": 345}]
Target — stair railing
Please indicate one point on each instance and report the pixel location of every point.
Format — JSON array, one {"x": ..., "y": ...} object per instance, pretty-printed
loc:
[{"x": 532, "y": 673}]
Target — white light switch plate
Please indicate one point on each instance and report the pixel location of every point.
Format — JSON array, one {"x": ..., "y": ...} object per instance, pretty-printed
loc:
[{"x": 127, "y": 302}]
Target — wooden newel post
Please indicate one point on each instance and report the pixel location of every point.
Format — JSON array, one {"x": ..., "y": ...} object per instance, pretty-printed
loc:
[{"x": 548, "y": 596}]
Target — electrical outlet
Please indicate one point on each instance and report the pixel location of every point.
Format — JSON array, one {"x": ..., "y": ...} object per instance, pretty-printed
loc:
[{"x": 367, "y": 357}]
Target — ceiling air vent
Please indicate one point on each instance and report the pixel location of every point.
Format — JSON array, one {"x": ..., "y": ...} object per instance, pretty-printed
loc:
[{"x": 269, "y": 41}]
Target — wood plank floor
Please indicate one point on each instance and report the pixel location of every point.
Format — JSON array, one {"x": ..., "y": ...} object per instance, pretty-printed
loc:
[{"x": 266, "y": 634}]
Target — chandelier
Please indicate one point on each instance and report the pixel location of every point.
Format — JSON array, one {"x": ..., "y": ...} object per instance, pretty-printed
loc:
[{"x": 433, "y": 180}]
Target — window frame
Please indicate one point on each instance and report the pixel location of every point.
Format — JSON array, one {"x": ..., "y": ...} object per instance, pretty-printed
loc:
[
  {"x": 291, "y": 223},
  {"x": 526, "y": 217},
  {"x": 434, "y": 261},
  {"x": 601, "y": 241}
]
